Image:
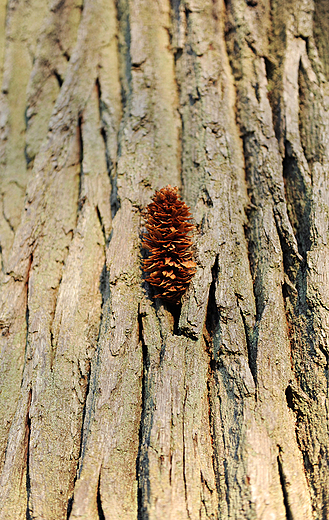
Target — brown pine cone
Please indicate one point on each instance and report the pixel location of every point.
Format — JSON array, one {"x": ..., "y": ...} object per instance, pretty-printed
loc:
[{"x": 170, "y": 265}]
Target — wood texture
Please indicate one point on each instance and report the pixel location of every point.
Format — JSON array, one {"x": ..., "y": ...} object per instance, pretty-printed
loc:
[{"x": 114, "y": 405}]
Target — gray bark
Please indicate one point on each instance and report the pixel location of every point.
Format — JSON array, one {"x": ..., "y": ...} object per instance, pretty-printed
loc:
[{"x": 115, "y": 405}]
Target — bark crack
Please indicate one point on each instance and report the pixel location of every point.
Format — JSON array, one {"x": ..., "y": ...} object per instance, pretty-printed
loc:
[
  {"x": 110, "y": 166},
  {"x": 184, "y": 456},
  {"x": 125, "y": 75},
  {"x": 82, "y": 443},
  {"x": 178, "y": 53},
  {"x": 81, "y": 199},
  {"x": 27, "y": 316},
  {"x": 289, "y": 515},
  {"x": 252, "y": 257},
  {"x": 299, "y": 200},
  {"x": 6, "y": 219},
  {"x": 27, "y": 311},
  {"x": 142, "y": 461},
  {"x": 123, "y": 18},
  {"x": 29, "y": 512},
  {"x": 101, "y": 223},
  {"x": 212, "y": 430},
  {"x": 92, "y": 381},
  {"x": 58, "y": 78},
  {"x": 213, "y": 315},
  {"x": 252, "y": 355},
  {"x": 219, "y": 460},
  {"x": 99, "y": 499}
]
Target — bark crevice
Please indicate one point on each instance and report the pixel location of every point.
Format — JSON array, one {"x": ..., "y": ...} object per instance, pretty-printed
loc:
[
  {"x": 109, "y": 163},
  {"x": 184, "y": 457},
  {"x": 29, "y": 512},
  {"x": 212, "y": 422},
  {"x": 252, "y": 352},
  {"x": 27, "y": 311},
  {"x": 125, "y": 77},
  {"x": 289, "y": 515},
  {"x": 58, "y": 78},
  {"x": 142, "y": 461},
  {"x": 91, "y": 389},
  {"x": 298, "y": 197},
  {"x": 123, "y": 18},
  {"x": 100, "y": 511},
  {"x": 213, "y": 314},
  {"x": 81, "y": 198},
  {"x": 321, "y": 22},
  {"x": 251, "y": 213}
]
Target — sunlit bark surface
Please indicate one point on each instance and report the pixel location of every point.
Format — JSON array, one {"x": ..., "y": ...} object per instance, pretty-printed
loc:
[{"x": 114, "y": 405}]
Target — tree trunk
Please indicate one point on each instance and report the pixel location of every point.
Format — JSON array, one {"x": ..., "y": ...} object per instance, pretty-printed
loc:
[{"x": 116, "y": 405}]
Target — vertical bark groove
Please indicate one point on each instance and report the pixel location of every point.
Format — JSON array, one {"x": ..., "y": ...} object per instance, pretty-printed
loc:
[
  {"x": 284, "y": 489},
  {"x": 99, "y": 502},
  {"x": 29, "y": 513},
  {"x": 142, "y": 459}
]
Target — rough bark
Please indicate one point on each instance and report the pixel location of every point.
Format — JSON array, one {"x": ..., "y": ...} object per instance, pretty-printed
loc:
[{"x": 115, "y": 405}]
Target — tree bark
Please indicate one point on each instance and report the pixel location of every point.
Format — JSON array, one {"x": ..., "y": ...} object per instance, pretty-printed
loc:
[{"x": 116, "y": 405}]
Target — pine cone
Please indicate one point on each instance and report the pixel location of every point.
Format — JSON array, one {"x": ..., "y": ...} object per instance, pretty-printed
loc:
[{"x": 169, "y": 265}]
